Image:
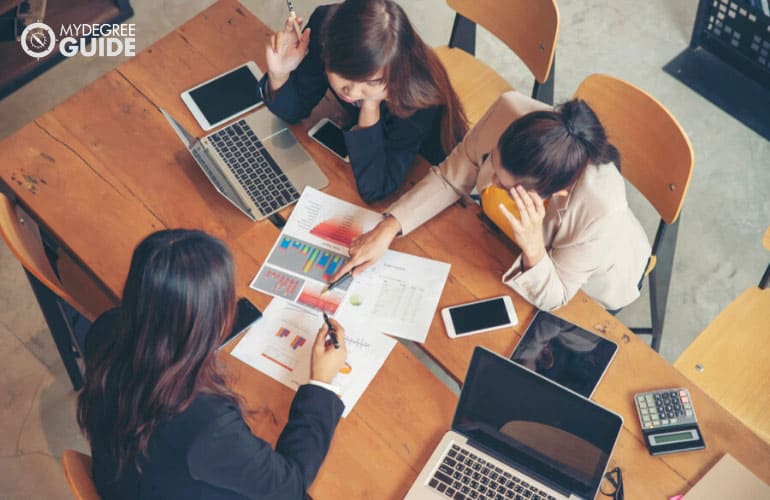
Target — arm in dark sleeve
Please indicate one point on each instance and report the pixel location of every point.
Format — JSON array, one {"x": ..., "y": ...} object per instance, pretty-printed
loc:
[
  {"x": 100, "y": 335},
  {"x": 381, "y": 155},
  {"x": 307, "y": 84},
  {"x": 227, "y": 455}
]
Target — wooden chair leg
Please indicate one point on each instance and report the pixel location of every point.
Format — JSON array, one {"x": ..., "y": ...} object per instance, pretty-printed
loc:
[{"x": 59, "y": 327}]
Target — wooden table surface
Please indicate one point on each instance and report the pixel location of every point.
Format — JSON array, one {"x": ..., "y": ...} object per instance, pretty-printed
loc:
[{"x": 104, "y": 169}]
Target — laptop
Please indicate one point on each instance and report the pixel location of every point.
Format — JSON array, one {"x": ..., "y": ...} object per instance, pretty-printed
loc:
[
  {"x": 516, "y": 434},
  {"x": 256, "y": 163}
]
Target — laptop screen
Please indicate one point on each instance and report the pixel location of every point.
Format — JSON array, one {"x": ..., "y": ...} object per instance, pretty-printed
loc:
[{"x": 539, "y": 427}]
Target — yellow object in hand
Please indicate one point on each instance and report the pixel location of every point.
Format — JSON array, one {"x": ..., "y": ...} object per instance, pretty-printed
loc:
[{"x": 491, "y": 198}]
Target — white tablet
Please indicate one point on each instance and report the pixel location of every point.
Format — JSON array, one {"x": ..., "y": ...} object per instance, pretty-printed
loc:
[{"x": 225, "y": 96}]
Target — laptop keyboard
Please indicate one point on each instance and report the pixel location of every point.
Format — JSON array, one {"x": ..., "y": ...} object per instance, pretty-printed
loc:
[
  {"x": 256, "y": 171},
  {"x": 464, "y": 475}
]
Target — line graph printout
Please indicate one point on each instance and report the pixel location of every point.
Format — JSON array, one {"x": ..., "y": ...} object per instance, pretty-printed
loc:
[{"x": 280, "y": 343}]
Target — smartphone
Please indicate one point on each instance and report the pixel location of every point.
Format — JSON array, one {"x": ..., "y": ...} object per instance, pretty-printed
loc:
[
  {"x": 225, "y": 96},
  {"x": 246, "y": 314},
  {"x": 329, "y": 135},
  {"x": 480, "y": 316}
]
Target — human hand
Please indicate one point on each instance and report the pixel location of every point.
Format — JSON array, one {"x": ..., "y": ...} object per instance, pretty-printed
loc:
[
  {"x": 370, "y": 109},
  {"x": 368, "y": 248},
  {"x": 285, "y": 51},
  {"x": 527, "y": 231},
  {"x": 326, "y": 361}
]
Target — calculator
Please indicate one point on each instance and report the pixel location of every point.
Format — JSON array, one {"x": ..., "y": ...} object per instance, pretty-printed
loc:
[{"x": 668, "y": 421}]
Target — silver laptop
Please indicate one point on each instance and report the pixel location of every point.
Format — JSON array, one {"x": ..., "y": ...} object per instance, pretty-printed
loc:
[
  {"x": 256, "y": 163},
  {"x": 516, "y": 434}
]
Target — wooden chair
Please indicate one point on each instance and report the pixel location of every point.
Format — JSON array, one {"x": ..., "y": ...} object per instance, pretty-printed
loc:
[
  {"x": 657, "y": 158},
  {"x": 730, "y": 359},
  {"x": 528, "y": 28},
  {"x": 77, "y": 469},
  {"x": 54, "y": 292}
]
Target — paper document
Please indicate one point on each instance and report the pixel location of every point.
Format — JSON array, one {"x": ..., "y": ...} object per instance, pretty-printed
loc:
[
  {"x": 280, "y": 344},
  {"x": 398, "y": 295}
]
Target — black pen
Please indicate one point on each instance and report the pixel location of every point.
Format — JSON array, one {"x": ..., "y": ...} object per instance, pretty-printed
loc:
[
  {"x": 332, "y": 331},
  {"x": 339, "y": 280}
]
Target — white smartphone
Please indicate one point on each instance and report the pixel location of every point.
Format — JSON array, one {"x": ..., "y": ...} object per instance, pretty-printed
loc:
[
  {"x": 480, "y": 316},
  {"x": 329, "y": 135},
  {"x": 225, "y": 96}
]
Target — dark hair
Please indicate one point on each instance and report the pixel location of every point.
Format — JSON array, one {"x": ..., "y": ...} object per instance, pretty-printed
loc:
[
  {"x": 361, "y": 36},
  {"x": 553, "y": 148},
  {"x": 178, "y": 303}
]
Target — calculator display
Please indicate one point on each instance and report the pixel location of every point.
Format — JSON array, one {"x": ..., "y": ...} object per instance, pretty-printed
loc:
[
  {"x": 668, "y": 421},
  {"x": 673, "y": 437}
]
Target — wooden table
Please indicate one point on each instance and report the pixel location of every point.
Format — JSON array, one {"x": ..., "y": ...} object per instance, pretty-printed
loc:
[{"x": 104, "y": 169}]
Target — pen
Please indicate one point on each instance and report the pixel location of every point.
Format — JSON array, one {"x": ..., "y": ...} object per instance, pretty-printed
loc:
[
  {"x": 332, "y": 331},
  {"x": 339, "y": 280},
  {"x": 293, "y": 17}
]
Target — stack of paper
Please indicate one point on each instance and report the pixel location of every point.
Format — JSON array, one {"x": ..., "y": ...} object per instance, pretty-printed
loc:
[{"x": 397, "y": 296}]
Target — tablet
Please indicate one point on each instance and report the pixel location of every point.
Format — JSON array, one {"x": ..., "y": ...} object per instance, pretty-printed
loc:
[
  {"x": 225, "y": 96},
  {"x": 565, "y": 353}
]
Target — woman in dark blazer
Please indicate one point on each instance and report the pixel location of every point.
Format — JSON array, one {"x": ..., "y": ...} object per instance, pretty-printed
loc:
[
  {"x": 382, "y": 73},
  {"x": 155, "y": 407}
]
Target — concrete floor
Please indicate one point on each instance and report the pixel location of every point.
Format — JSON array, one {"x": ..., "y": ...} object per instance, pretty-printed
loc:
[{"x": 719, "y": 252}]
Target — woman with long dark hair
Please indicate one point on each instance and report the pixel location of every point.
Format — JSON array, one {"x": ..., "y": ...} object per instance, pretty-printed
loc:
[
  {"x": 586, "y": 237},
  {"x": 155, "y": 407},
  {"x": 382, "y": 73}
]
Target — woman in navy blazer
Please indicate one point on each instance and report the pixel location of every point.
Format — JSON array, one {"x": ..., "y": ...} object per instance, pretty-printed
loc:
[
  {"x": 382, "y": 73},
  {"x": 155, "y": 407}
]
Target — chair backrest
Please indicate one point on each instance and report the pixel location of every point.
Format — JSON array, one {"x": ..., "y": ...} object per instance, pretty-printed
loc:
[
  {"x": 22, "y": 235},
  {"x": 656, "y": 154},
  {"x": 529, "y": 28},
  {"x": 77, "y": 469},
  {"x": 730, "y": 360}
]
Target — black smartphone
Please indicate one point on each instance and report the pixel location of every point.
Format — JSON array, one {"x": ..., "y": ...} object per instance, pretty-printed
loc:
[
  {"x": 330, "y": 136},
  {"x": 246, "y": 314}
]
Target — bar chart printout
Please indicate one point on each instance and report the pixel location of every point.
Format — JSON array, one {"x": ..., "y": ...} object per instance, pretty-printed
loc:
[
  {"x": 280, "y": 346},
  {"x": 305, "y": 259}
]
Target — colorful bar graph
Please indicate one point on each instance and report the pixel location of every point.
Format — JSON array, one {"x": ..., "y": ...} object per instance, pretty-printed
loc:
[
  {"x": 278, "y": 283},
  {"x": 306, "y": 259},
  {"x": 340, "y": 231},
  {"x": 297, "y": 342},
  {"x": 282, "y": 332}
]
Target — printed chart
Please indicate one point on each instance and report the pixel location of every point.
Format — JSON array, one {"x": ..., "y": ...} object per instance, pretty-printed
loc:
[
  {"x": 300, "y": 257},
  {"x": 278, "y": 283},
  {"x": 398, "y": 295},
  {"x": 339, "y": 230},
  {"x": 280, "y": 344}
]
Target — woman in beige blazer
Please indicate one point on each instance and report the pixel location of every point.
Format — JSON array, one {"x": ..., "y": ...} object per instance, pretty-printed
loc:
[{"x": 585, "y": 237}]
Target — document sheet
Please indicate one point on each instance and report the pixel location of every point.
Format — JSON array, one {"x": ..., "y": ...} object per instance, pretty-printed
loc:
[
  {"x": 280, "y": 343},
  {"x": 398, "y": 295}
]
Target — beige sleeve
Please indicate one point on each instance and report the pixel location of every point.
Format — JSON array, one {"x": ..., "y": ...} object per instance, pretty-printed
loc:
[{"x": 458, "y": 172}]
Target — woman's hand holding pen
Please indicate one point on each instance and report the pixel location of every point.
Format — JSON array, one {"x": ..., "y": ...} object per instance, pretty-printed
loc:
[
  {"x": 285, "y": 51},
  {"x": 528, "y": 231},
  {"x": 326, "y": 360},
  {"x": 368, "y": 248}
]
